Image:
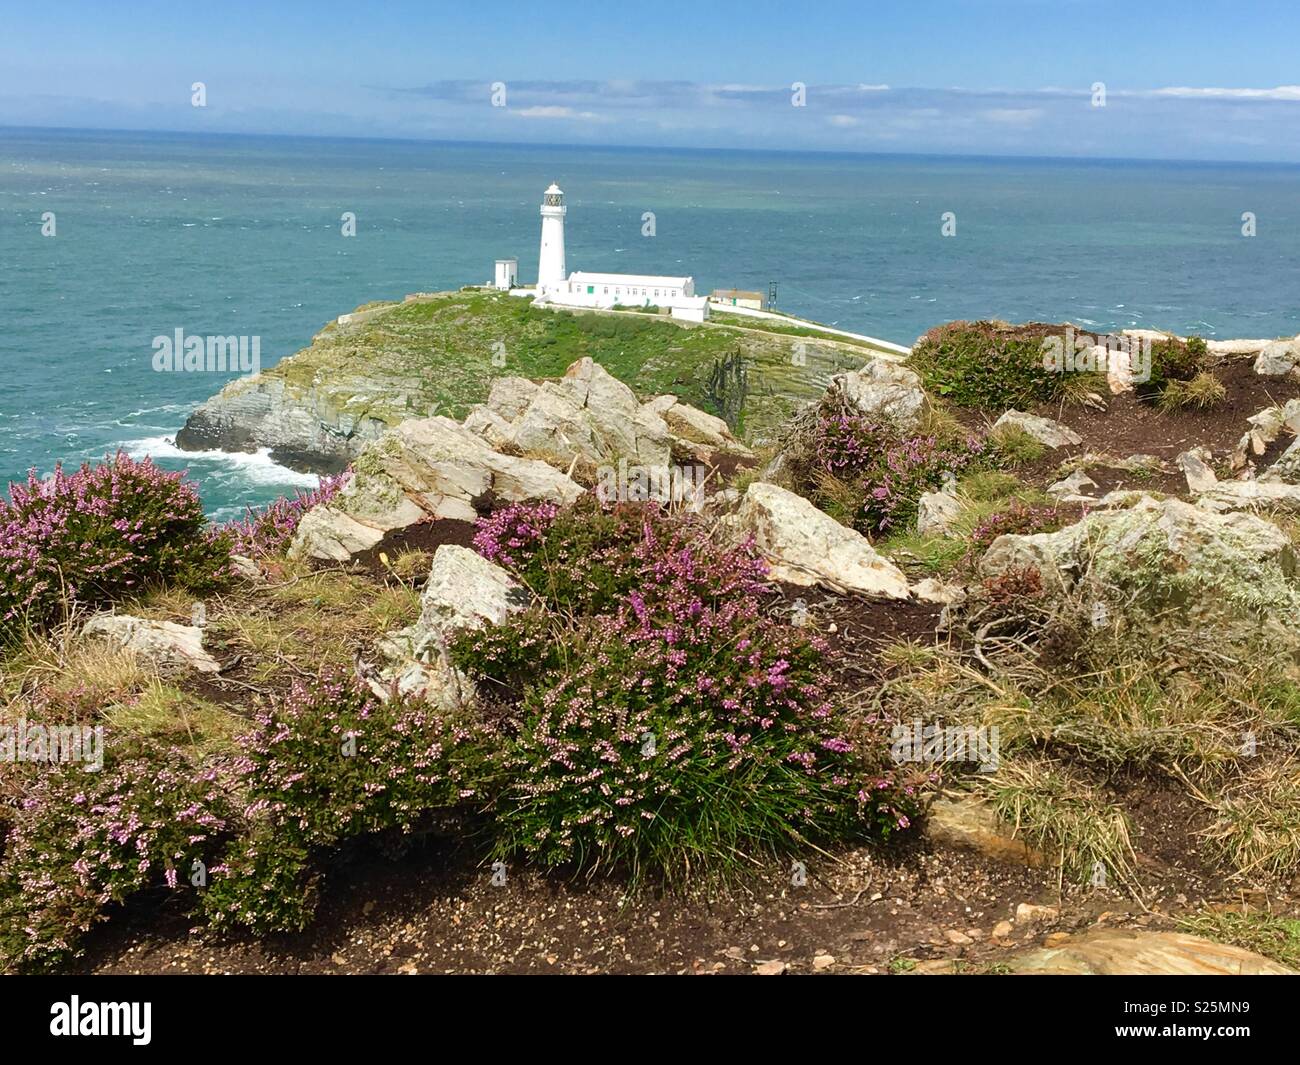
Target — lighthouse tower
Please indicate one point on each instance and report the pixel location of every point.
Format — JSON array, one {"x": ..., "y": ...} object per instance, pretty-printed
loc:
[{"x": 550, "y": 265}]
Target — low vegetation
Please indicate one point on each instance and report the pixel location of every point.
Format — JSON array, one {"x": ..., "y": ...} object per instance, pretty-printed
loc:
[
  {"x": 655, "y": 714},
  {"x": 97, "y": 535}
]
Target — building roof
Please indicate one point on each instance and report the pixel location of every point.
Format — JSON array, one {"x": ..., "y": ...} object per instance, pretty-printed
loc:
[
  {"x": 637, "y": 280},
  {"x": 737, "y": 294}
]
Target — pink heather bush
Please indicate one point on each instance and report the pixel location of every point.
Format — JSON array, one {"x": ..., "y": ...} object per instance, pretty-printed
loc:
[
  {"x": 327, "y": 763},
  {"x": 586, "y": 558},
  {"x": 889, "y": 473},
  {"x": 892, "y": 488},
  {"x": 678, "y": 728},
  {"x": 269, "y": 531},
  {"x": 509, "y": 535},
  {"x": 1018, "y": 518},
  {"x": 98, "y": 534},
  {"x": 84, "y": 840}
]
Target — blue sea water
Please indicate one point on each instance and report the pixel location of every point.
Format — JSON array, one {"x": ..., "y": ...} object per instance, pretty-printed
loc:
[{"x": 242, "y": 235}]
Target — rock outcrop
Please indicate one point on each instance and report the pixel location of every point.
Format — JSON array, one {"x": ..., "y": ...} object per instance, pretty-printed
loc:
[
  {"x": 1133, "y": 952},
  {"x": 313, "y": 429},
  {"x": 1265, "y": 495},
  {"x": 588, "y": 419},
  {"x": 936, "y": 512},
  {"x": 464, "y": 591},
  {"x": 884, "y": 391},
  {"x": 425, "y": 468},
  {"x": 804, "y": 546},
  {"x": 1047, "y": 432},
  {"x": 1278, "y": 358},
  {"x": 164, "y": 643},
  {"x": 1165, "y": 557}
]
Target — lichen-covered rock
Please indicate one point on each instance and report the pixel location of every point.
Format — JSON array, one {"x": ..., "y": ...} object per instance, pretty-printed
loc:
[
  {"x": 425, "y": 468},
  {"x": 695, "y": 432},
  {"x": 588, "y": 419},
  {"x": 464, "y": 591},
  {"x": 164, "y": 643},
  {"x": 1047, "y": 432},
  {"x": 1074, "y": 488},
  {"x": 1265, "y": 427},
  {"x": 806, "y": 547},
  {"x": 1280, "y": 357},
  {"x": 1287, "y": 468},
  {"x": 932, "y": 590},
  {"x": 1165, "y": 559},
  {"x": 1266, "y": 495},
  {"x": 509, "y": 396},
  {"x": 885, "y": 391},
  {"x": 1195, "y": 465},
  {"x": 935, "y": 512}
]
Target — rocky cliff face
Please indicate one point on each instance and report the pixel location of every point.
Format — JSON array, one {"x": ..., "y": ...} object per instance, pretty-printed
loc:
[
  {"x": 382, "y": 365},
  {"x": 302, "y": 429}
]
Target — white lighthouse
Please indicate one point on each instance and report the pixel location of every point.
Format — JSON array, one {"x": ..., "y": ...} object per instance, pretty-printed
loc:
[
  {"x": 599, "y": 291},
  {"x": 550, "y": 264}
]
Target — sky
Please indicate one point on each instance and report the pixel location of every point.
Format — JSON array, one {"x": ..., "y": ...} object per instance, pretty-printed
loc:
[{"x": 1195, "y": 79}]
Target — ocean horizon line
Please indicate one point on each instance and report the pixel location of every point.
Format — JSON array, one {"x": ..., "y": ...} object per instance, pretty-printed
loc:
[{"x": 1278, "y": 164}]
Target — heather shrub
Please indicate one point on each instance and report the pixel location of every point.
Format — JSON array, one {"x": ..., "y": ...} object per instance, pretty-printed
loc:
[
  {"x": 84, "y": 840},
  {"x": 865, "y": 473},
  {"x": 993, "y": 367},
  {"x": 586, "y": 558},
  {"x": 1173, "y": 361},
  {"x": 328, "y": 763},
  {"x": 675, "y": 727},
  {"x": 893, "y": 488},
  {"x": 658, "y": 752},
  {"x": 99, "y": 534},
  {"x": 270, "y": 531},
  {"x": 505, "y": 659},
  {"x": 1017, "y": 518}
]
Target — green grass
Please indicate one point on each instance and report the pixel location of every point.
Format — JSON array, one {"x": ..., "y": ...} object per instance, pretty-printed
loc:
[
  {"x": 401, "y": 360},
  {"x": 1274, "y": 937},
  {"x": 1060, "y": 815},
  {"x": 983, "y": 493},
  {"x": 993, "y": 367},
  {"x": 792, "y": 328}
]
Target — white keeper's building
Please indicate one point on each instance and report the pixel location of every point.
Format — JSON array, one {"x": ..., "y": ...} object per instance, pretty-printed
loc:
[{"x": 581, "y": 289}]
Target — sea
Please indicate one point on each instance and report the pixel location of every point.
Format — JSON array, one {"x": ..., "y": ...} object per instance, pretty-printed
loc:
[{"x": 109, "y": 240}]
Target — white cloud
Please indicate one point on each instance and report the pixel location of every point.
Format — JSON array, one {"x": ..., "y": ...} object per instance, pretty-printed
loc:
[
  {"x": 553, "y": 111},
  {"x": 1281, "y": 92}
]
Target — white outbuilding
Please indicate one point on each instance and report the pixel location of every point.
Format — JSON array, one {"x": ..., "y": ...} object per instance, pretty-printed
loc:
[{"x": 507, "y": 274}]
